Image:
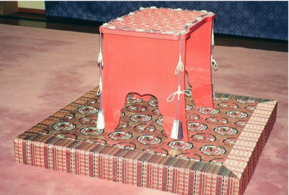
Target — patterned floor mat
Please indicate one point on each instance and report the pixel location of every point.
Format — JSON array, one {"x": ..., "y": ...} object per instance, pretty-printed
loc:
[{"x": 212, "y": 132}]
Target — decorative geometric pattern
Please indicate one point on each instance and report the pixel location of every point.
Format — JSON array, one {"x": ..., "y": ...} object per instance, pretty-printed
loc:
[
  {"x": 222, "y": 153},
  {"x": 138, "y": 126},
  {"x": 158, "y": 21},
  {"x": 261, "y": 19}
]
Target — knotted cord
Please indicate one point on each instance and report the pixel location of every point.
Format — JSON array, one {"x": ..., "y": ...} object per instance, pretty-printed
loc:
[
  {"x": 180, "y": 66},
  {"x": 179, "y": 92},
  {"x": 214, "y": 64},
  {"x": 100, "y": 62},
  {"x": 178, "y": 70}
]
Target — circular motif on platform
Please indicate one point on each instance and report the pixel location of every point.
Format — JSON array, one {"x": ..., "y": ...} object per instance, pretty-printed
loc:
[
  {"x": 136, "y": 108},
  {"x": 67, "y": 126},
  {"x": 193, "y": 117},
  {"x": 221, "y": 99},
  {"x": 153, "y": 103},
  {"x": 156, "y": 112},
  {"x": 133, "y": 100},
  {"x": 241, "y": 123},
  {"x": 195, "y": 126},
  {"x": 149, "y": 139},
  {"x": 140, "y": 118},
  {"x": 91, "y": 131},
  {"x": 224, "y": 130},
  {"x": 164, "y": 133},
  {"x": 203, "y": 138},
  {"x": 120, "y": 135},
  {"x": 217, "y": 120},
  {"x": 88, "y": 120},
  {"x": 228, "y": 105},
  {"x": 123, "y": 124},
  {"x": 67, "y": 136},
  {"x": 96, "y": 141},
  {"x": 123, "y": 145},
  {"x": 245, "y": 101},
  {"x": 160, "y": 122},
  {"x": 237, "y": 114},
  {"x": 180, "y": 145},
  {"x": 251, "y": 107},
  {"x": 144, "y": 128},
  {"x": 44, "y": 132},
  {"x": 230, "y": 141},
  {"x": 87, "y": 110},
  {"x": 217, "y": 161},
  {"x": 94, "y": 101},
  {"x": 189, "y": 107},
  {"x": 189, "y": 156},
  {"x": 122, "y": 115},
  {"x": 156, "y": 151},
  {"x": 212, "y": 150},
  {"x": 69, "y": 116},
  {"x": 209, "y": 111}
]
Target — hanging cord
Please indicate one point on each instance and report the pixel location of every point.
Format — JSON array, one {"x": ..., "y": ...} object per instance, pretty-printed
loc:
[
  {"x": 178, "y": 70},
  {"x": 179, "y": 92},
  {"x": 177, "y": 128},
  {"x": 180, "y": 67},
  {"x": 214, "y": 64},
  {"x": 100, "y": 62},
  {"x": 100, "y": 116}
]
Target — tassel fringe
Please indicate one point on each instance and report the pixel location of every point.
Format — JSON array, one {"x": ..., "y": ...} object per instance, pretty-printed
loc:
[
  {"x": 100, "y": 120},
  {"x": 180, "y": 131},
  {"x": 177, "y": 130}
]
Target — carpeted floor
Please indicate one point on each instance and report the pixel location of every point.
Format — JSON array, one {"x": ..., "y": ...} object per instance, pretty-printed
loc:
[{"x": 43, "y": 70}]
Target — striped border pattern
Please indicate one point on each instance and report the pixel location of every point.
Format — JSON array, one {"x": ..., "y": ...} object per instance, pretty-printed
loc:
[
  {"x": 126, "y": 166},
  {"x": 148, "y": 170},
  {"x": 245, "y": 154}
]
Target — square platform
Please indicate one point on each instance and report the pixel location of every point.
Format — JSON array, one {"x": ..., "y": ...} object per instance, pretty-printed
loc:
[{"x": 219, "y": 158}]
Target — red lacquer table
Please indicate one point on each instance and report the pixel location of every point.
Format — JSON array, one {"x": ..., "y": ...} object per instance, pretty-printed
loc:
[{"x": 140, "y": 53}]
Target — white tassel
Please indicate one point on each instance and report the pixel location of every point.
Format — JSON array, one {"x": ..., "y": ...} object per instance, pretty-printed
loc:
[
  {"x": 175, "y": 130},
  {"x": 100, "y": 120},
  {"x": 99, "y": 59}
]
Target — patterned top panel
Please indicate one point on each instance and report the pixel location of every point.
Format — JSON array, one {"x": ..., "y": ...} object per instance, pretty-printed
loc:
[{"x": 159, "y": 20}]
